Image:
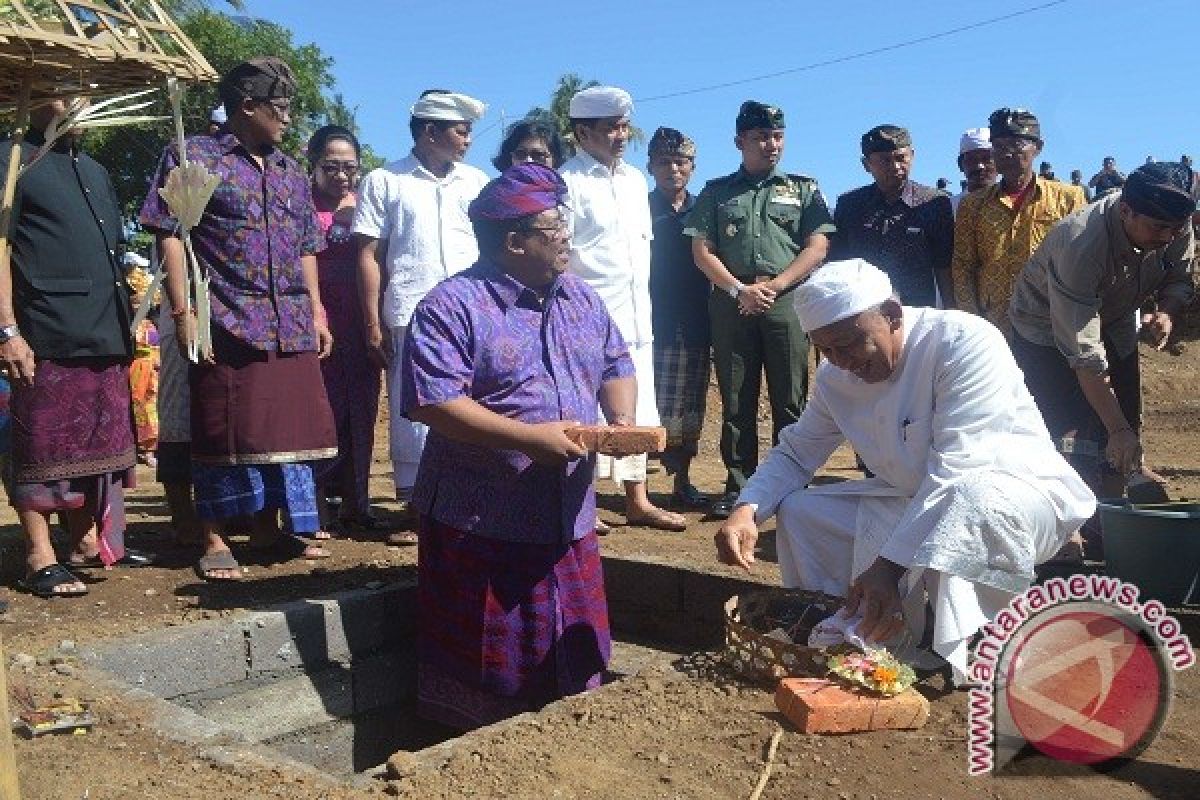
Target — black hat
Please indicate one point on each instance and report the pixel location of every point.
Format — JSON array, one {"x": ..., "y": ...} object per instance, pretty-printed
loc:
[
  {"x": 754, "y": 114},
  {"x": 885, "y": 139},
  {"x": 263, "y": 78},
  {"x": 1008, "y": 122},
  {"x": 1161, "y": 191}
]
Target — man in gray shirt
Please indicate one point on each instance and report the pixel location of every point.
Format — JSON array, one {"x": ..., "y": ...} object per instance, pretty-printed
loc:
[{"x": 1075, "y": 313}]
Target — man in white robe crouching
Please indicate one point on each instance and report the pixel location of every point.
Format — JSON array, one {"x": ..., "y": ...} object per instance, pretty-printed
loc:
[{"x": 968, "y": 493}]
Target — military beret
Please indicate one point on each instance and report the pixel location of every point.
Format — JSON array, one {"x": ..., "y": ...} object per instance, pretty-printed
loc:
[
  {"x": 753, "y": 115},
  {"x": 1014, "y": 122},
  {"x": 1161, "y": 191},
  {"x": 263, "y": 78},
  {"x": 884, "y": 139},
  {"x": 670, "y": 142}
]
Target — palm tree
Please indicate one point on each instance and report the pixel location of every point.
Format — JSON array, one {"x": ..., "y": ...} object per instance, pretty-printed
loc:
[{"x": 570, "y": 84}]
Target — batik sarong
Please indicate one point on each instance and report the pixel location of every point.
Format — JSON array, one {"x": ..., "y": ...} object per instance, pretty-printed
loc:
[
  {"x": 73, "y": 444},
  {"x": 505, "y": 627},
  {"x": 681, "y": 377}
]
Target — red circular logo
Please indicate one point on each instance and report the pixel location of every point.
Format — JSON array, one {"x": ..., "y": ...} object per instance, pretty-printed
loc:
[{"x": 1087, "y": 683}]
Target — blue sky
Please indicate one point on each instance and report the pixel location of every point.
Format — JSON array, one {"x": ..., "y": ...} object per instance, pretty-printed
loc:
[{"x": 1104, "y": 76}]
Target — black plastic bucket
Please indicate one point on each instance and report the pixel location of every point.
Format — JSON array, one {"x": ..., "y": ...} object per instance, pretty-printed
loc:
[{"x": 1156, "y": 547}]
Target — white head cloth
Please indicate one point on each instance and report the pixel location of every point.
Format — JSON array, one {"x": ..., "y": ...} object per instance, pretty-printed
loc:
[
  {"x": 975, "y": 139},
  {"x": 448, "y": 106},
  {"x": 600, "y": 101},
  {"x": 838, "y": 290},
  {"x": 218, "y": 115}
]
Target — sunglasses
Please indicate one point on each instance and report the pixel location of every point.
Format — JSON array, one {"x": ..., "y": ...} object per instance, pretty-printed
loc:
[{"x": 332, "y": 168}]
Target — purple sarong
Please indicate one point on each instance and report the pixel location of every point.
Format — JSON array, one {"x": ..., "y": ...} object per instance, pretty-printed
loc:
[
  {"x": 506, "y": 627},
  {"x": 73, "y": 444}
]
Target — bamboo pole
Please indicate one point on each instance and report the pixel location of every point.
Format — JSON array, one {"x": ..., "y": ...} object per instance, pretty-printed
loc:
[{"x": 9, "y": 789}]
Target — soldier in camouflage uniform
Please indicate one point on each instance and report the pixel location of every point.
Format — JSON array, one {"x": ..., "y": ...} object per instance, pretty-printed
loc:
[{"x": 756, "y": 234}]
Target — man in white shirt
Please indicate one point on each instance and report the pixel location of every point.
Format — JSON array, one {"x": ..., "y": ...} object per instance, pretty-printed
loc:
[
  {"x": 968, "y": 493},
  {"x": 610, "y": 249},
  {"x": 413, "y": 231}
]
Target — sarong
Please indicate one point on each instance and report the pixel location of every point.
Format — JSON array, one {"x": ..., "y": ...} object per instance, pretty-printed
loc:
[
  {"x": 225, "y": 492},
  {"x": 505, "y": 627},
  {"x": 257, "y": 417},
  {"x": 73, "y": 444},
  {"x": 681, "y": 376},
  {"x": 352, "y": 384},
  {"x": 259, "y": 407}
]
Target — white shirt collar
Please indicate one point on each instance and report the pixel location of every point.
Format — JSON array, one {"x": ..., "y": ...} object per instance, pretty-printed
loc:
[
  {"x": 412, "y": 165},
  {"x": 591, "y": 164}
]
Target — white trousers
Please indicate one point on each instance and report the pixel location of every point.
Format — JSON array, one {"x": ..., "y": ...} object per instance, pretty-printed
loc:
[
  {"x": 633, "y": 468},
  {"x": 406, "y": 439},
  {"x": 825, "y": 540}
]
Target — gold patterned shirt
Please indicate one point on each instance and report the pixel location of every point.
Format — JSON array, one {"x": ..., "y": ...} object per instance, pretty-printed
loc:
[{"x": 993, "y": 239}]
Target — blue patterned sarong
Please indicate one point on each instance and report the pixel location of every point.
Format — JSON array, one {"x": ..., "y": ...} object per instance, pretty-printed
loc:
[{"x": 224, "y": 492}]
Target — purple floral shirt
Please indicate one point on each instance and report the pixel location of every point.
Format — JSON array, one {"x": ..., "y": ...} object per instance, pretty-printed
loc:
[
  {"x": 256, "y": 227},
  {"x": 483, "y": 335}
]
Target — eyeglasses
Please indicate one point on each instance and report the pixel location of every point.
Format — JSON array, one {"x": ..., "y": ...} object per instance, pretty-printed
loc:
[
  {"x": 332, "y": 168},
  {"x": 282, "y": 108},
  {"x": 559, "y": 228},
  {"x": 522, "y": 155}
]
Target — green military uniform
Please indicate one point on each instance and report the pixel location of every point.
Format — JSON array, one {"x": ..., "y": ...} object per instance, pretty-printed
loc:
[{"x": 757, "y": 228}]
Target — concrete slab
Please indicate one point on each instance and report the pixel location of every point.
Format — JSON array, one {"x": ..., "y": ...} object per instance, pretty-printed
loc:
[
  {"x": 281, "y": 707},
  {"x": 176, "y": 661}
]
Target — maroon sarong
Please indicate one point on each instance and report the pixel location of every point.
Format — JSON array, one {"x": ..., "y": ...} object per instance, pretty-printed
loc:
[
  {"x": 259, "y": 407},
  {"x": 506, "y": 627},
  {"x": 73, "y": 443}
]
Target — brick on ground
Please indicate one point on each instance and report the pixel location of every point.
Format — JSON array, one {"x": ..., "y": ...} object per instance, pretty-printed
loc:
[{"x": 816, "y": 705}]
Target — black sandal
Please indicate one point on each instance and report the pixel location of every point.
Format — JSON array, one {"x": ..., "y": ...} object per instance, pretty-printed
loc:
[{"x": 44, "y": 581}]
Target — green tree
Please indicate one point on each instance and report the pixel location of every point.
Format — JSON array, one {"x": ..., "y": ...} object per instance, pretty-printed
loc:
[
  {"x": 569, "y": 84},
  {"x": 131, "y": 153}
]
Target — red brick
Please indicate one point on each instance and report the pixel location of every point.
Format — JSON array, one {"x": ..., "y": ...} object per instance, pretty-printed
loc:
[
  {"x": 816, "y": 705},
  {"x": 619, "y": 441}
]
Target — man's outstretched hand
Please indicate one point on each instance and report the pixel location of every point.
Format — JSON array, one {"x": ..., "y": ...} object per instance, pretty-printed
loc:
[
  {"x": 876, "y": 595},
  {"x": 737, "y": 537}
]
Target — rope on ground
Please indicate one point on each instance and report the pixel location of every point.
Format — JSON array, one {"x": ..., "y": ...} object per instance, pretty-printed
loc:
[{"x": 772, "y": 747}]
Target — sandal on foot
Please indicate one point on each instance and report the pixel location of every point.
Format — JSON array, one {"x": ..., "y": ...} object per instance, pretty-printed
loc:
[
  {"x": 658, "y": 520},
  {"x": 132, "y": 558},
  {"x": 286, "y": 547},
  {"x": 45, "y": 582},
  {"x": 402, "y": 539},
  {"x": 211, "y": 562}
]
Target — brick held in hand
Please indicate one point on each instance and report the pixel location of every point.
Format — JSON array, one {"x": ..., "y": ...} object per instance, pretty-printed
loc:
[
  {"x": 619, "y": 441},
  {"x": 816, "y": 705}
]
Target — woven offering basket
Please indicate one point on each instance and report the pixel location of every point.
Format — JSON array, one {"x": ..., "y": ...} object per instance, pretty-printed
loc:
[{"x": 765, "y": 659}]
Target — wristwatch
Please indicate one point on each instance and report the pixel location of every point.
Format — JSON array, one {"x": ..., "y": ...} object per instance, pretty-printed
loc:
[
  {"x": 8, "y": 333},
  {"x": 736, "y": 289}
]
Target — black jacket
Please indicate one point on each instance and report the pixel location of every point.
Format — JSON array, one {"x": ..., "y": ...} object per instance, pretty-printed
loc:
[{"x": 69, "y": 290}]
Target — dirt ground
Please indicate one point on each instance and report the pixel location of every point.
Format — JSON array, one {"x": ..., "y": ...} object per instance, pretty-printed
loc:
[{"x": 659, "y": 735}]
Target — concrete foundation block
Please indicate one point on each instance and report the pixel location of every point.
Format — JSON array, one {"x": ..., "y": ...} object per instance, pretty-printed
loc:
[{"x": 176, "y": 661}]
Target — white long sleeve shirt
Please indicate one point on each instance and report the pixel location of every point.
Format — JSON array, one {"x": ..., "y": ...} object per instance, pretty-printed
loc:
[
  {"x": 956, "y": 403},
  {"x": 422, "y": 221},
  {"x": 611, "y": 229}
]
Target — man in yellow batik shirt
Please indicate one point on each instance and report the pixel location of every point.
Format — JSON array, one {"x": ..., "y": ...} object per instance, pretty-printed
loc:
[{"x": 998, "y": 228}]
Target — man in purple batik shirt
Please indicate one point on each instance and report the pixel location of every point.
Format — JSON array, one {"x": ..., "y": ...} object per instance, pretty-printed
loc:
[
  {"x": 499, "y": 361},
  {"x": 259, "y": 414}
]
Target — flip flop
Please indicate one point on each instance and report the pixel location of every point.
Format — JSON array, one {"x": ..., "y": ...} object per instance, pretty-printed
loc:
[
  {"x": 44, "y": 581},
  {"x": 210, "y": 562},
  {"x": 132, "y": 558}
]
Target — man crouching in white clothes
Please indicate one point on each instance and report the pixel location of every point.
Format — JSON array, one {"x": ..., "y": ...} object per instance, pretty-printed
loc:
[{"x": 968, "y": 493}]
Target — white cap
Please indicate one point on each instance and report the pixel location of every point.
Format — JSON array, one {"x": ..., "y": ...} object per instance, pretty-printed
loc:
[
  {"x": 449, "y": 107},
  {"x": 975, "y": 139},
  {"x": 600, "y": 101},
  {"x": 838, "y": 290},
  {"x": 218, "y": 115}
]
